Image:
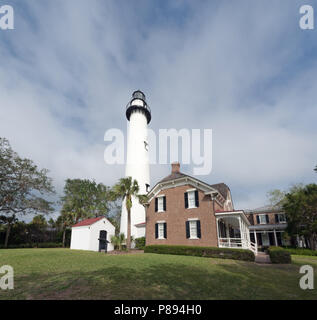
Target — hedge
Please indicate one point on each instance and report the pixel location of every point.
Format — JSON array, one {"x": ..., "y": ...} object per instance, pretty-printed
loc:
[
  {"x": 301, "y": 251},
  {"x": 140, "y": 243},
  {"x": 33, "y": 245},
  {"x": 208, "y": 252},
  {"x": 279, "y": 255}
]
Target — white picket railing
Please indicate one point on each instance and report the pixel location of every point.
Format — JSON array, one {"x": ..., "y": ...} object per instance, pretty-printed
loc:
[{"x": 238, "y": 243}]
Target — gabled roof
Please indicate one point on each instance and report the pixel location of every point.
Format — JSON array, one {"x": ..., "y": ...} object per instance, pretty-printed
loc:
[
  {"x": 222, "y": 188},
  {"x": 268, "y": 208},
  {"x": 87, "y": 222},
  {"x": 173, "y": 176}
]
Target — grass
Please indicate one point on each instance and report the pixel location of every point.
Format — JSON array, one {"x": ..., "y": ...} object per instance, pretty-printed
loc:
[{"x": 66, "y": 274}]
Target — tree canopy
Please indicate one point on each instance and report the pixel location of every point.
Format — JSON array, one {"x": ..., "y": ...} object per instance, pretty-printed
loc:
[
  {"x": 22, "y": 186},
  {"x": 300, "y": 206},
  {"x": 85, "y": 199}
]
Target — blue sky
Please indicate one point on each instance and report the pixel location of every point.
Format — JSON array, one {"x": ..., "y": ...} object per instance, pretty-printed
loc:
[{"x": 243, "y": 68}]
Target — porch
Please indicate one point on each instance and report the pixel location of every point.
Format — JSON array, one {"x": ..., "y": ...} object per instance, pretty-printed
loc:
[
  {"x": 233, "y": 231},
  {"x": 268, "y": 235}
]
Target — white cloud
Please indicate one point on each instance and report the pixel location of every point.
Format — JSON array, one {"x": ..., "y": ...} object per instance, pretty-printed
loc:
[{"x": 68, "y": 70}]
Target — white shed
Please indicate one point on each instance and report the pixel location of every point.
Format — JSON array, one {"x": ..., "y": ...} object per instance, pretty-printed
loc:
[{"x": 92, "y": 234}]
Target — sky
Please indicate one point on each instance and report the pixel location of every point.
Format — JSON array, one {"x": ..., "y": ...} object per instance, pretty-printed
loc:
[{"x": 242, "y": 68}]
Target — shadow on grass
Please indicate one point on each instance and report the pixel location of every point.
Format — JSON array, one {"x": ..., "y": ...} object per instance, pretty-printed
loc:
[{"x": 238, "y": 280}]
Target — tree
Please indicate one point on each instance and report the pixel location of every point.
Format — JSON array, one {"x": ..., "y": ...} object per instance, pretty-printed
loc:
[
  {"x": 39, "y": 220},
  {"x": 64, "y": 221},
  {"x": 276, "y": 197},
  {"x": 300, "y": 206},
  {"x": 22, "y": 187},
  {"x": 126, "y": 189},
  {"x": 118, "y": 240},
  {"x": 85, "y": 199}
]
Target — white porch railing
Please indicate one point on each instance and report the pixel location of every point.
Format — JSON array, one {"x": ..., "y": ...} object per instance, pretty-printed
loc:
[{"x": 238, "y": 243}]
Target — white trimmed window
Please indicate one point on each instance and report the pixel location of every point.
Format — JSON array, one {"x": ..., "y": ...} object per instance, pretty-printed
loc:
[
  {"x": 161, "y": 230},
  {"x": 281, "y": 218},
  {"x": 193, "y": 229},
  {"x": 160, "y": 204},
  {"x": 262, "y": 219},
  {"x": 191, "y": 199}
]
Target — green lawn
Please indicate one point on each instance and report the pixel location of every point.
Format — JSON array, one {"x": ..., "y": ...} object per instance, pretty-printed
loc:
[{"x": 66, "y": 274}]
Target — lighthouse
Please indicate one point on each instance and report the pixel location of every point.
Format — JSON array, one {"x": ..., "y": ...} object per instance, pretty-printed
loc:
[{"x": 138, "y": 114}]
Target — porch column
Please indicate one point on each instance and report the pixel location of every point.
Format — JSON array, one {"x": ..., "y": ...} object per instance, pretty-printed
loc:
[
  {"x": 255, "y": 238},
  {"x": 217, "y": 219},
  {"x": 248, "y": 233},
  {"x": 241, "y": 232},
  {"x": 227, "y": 229},
  {"x": 275, "y": 238}
]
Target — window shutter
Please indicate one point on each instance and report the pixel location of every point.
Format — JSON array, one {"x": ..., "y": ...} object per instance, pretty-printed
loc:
[
  {"x": 156, "y": 230},
  {"x": 156, "y": 204},
  {"x": 196, "y": 199},
  {"x": 267, "y": 218},
  {"x": 257, "y": 219},
  {"x": 186, "y": 200},
  {"x": 165, "y": 230},
  {"x": 164, "y": 203},
  {"x": 187, "y": 230},
  {"x": 276, "y": 218},
  {"x": 198, "y": 229}
]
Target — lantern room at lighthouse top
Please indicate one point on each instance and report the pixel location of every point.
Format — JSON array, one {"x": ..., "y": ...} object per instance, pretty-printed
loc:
[{"x": 138, "y": 102}]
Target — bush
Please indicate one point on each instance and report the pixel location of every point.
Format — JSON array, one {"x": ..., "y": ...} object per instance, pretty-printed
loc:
[
  {"x": 301, "y": 251},
  {"x": 140, "y": 243},
  {"x": 279, "y": 255},
  {"x": 208, "y": 252},
  {"x": 33, "y": 245}
]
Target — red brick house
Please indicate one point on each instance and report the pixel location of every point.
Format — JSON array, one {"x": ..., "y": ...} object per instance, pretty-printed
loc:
[
  {"x": 183, "y": 210},
  {"x": 267, "y": 225}
]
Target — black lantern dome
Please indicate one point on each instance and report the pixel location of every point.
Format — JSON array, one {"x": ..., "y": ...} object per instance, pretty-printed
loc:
[{"x": 138, "y": 102}]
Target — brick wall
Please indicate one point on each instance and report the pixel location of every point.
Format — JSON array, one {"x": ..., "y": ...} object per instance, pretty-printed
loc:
[
  {"x": 176, "y": 216},
  {"x": 253, "y": 220}
]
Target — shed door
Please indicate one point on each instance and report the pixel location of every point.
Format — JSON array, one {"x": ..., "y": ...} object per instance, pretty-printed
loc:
[{"x": 103, "y": 240}]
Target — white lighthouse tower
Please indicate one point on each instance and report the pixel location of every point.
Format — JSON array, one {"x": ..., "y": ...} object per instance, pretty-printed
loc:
[{"x": 138, "y": 114}]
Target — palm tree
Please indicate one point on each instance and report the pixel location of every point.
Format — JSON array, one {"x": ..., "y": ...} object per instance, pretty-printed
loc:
[
  {"x": 118, "y": 240},
  {"x": 64, "y": 221},
  {"x": 126, "y": 189}
]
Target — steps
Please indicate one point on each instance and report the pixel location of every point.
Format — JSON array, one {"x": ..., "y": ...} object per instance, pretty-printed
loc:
[{"x": 262, "y": 258}]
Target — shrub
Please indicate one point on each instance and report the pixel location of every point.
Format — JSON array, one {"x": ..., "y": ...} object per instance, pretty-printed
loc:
[
  {"x": 140, "y": 243},
  {"x": 208, "y": 252},
  {"x": 301, "y": 251},
  {"x": 33, "y": 245},
  {"x": 279, "y": 255}
]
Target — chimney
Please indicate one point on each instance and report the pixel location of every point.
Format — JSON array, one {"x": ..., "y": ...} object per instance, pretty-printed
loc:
[{"x": 175, "y": 167}]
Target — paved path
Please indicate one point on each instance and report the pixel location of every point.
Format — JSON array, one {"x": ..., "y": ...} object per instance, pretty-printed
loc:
[{"x": 262, "y": 257}]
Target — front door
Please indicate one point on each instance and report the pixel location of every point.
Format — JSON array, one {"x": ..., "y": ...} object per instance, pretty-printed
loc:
[
  {"x": 103, "y": 240},
  {"x": 265, "y": 239}
]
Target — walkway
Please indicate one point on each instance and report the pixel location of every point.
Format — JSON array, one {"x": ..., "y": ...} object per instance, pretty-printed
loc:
[{"x": 262, "y": 257}]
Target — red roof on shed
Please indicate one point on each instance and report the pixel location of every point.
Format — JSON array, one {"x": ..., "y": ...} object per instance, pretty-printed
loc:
[{"x": 87, "y": 222}]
